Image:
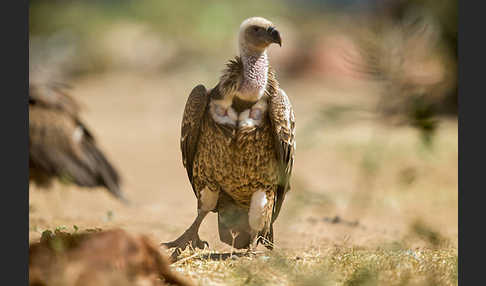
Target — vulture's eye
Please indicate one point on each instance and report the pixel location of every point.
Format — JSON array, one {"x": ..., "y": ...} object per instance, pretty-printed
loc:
[{"x": 256, "y": 29}]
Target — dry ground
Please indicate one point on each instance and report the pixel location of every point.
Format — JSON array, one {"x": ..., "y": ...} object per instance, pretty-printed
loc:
[{"x": 396, "y": 201}]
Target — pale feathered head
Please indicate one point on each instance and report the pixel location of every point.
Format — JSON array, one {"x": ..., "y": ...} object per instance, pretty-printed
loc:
[{"x": 258, "y": 33}]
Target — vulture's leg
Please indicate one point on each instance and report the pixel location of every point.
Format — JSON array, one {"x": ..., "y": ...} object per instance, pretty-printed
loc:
[
  {"x": 207, "y": 202},
  {"x": 258, "y": 216},
  {"x": 191, "y": 235}
]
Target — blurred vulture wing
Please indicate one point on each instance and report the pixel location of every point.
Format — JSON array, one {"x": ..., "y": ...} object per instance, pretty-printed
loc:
[
  {"x": 61, "y": 146},
  {"x": 194, "y": 111},
  {"x": 283, "y": 123},
  {"x": 52, "y": 95}
]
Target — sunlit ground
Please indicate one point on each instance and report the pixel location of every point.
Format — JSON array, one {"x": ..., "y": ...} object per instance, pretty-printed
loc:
[{"x": 369, "y": 201}]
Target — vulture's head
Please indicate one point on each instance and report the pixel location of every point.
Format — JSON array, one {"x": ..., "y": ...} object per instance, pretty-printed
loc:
[{"x": 257, "y": 33}]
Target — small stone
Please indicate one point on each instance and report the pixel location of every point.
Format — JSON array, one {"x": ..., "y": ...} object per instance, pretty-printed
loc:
[{"x": 336, "y": 219}]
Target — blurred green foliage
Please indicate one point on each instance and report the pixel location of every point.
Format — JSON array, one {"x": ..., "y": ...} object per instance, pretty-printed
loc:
[
  {"x": 197, "y": 27},
  {"x": 168, "y": 35},
  {"x": 203, "y": 29}
]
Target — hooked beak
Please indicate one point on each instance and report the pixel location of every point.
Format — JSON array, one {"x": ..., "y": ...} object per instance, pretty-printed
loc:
[{"x": 274, "y": 35}]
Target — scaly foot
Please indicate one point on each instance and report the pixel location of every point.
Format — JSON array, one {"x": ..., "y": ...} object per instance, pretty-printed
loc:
[{"x": 189, "y": 237}]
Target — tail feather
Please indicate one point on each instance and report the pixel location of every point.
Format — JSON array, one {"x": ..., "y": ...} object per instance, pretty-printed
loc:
[{"x": 104, "y": 172}]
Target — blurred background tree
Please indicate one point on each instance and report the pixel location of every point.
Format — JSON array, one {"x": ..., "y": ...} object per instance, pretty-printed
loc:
[{"x": 72, "y": 38}]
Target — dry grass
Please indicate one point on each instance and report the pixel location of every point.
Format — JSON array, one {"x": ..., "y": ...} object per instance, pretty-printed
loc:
[{"x": 338, "y": 265}]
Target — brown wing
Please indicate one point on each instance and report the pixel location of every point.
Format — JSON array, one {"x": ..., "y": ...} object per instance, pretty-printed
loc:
[
  {"x": 283, "y": 123},
  {"x": 53, "y": 96},
  {"x": 194, "y": 111},
  {"x": 61, "y": 146}
]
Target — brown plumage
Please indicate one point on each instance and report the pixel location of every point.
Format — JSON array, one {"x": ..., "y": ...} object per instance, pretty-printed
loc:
[
  {"x": 106, "y": 258},
  {"x": 61, "y": 146},
  {"x": 237, "y": 143}
]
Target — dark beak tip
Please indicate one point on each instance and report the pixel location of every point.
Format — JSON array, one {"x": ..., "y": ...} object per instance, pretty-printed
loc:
[{"x": 275, "y": 35}]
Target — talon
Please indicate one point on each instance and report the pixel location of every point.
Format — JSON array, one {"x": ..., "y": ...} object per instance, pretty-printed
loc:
[
  {"x": 175, "y": 255},
  {"x": 185, "y": 240},
  {"x": 198, "y": 243},
  {"x": 168, "y": 245},
  {"x": 203, "y": 244}
]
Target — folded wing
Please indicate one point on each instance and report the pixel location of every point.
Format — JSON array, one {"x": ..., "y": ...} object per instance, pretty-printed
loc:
[
  {"x": 194, "y": 111},
  {"x": 283, "y": 124}
]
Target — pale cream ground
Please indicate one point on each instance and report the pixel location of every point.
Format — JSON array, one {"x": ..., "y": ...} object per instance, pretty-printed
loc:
[{"x": 352, "y": 166}]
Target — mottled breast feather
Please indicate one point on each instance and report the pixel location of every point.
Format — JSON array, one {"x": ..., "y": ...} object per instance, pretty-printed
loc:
[
  {"x": 276, "y": 139},
  {"x": 196, "y": 107}
]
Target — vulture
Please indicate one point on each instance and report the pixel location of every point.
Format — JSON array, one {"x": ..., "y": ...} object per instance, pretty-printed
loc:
[
  {"x": 60, "y": 144},
  {"x": 237, "y": 143}
]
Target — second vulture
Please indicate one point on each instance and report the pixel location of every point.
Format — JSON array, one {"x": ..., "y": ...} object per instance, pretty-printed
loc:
[{"x": 61, "y": 146}]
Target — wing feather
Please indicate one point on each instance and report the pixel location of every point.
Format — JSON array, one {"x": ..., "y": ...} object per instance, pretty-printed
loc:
[
  {"x": 194, "y": 111},
  {"x": 283, "y": 123},
  {"x": 60, "y": 145}
]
